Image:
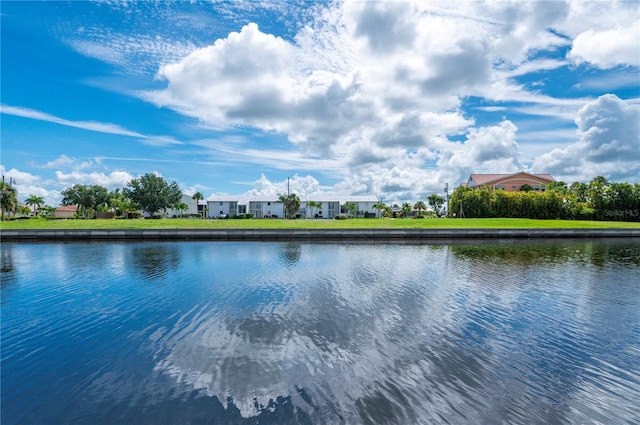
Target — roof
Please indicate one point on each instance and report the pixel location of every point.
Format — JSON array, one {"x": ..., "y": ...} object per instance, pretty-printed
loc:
[
  {"x": 245, "y": 199},
  {"x": 341, "y": 198},
  {"x": 241, "y": 199},
  {"x": 69, "y": 208},
  {"x": 187, "y": 199},
  {"x": 482, "y": 179}
]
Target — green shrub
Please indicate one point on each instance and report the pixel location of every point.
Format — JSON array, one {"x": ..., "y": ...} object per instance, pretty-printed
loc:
[
  {"x": 586, "y": 213},
  {"x": 189, "y": 216},
  {"x": 340, "y": 217}
]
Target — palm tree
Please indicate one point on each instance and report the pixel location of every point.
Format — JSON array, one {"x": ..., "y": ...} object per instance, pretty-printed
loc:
[
  {"x": 580, "y": 190},
  {"x": 558, "y": 186},
  {"x": 314, "y": 205},
  {"x": 181, "y": 206},
  {"x": 24, "y": 210},
  {"x": 119, "y": 203},
  {"x": 47, "y": 210},
  {"x": 380, "y": 206},
  {"x": 420, "y": 206},
  {"x": 387, "y": 211},
  {"x": 8, "y": 198},
  {"x": 406, "y": 209},
  {"x": 598, "y": 191},
  {"x": 35, "y": 201},
  {"x": 197, "y": 197},
  {"x": 351, "y": 208},
  {"x": 291, "y": 204}
]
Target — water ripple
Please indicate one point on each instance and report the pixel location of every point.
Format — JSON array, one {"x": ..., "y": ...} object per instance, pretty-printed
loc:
[{"x": 516, "y": 333}]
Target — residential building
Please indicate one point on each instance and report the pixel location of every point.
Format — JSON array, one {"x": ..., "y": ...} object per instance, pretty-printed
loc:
[
  {"x": 193, "y": 206},
  {"x": 66, "y": 211},
  {"x": 510, "y": 182},
  {"x": 225, "y": 206},
  {"x": 263, "y": 206}
]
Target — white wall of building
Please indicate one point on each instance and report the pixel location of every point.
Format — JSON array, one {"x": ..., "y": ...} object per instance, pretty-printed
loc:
[
  {"x": 269, "y": 207},
  {"x": 191, "y": 203}
]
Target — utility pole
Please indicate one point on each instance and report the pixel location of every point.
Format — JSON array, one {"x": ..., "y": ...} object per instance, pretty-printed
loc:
[
  {"x": 286, "y": 203},
  {"x": 446, "y": 194}
]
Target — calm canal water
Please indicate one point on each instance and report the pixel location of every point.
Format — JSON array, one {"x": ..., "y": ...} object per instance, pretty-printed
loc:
[{"x": 294, "y": 333}]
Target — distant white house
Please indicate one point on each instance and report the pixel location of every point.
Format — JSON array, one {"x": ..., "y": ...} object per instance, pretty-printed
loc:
[
  {"x": 193, "y": 207},
  {"x": 261, "y": 206}
]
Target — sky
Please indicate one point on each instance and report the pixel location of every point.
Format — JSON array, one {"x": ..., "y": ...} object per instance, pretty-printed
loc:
[{"x": 391, "y": 98}]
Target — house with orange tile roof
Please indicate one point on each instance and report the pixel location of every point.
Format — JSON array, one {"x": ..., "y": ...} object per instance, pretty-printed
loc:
[
  {"x": 66, "y": 211},
  {"x": 510, "y": 182}
]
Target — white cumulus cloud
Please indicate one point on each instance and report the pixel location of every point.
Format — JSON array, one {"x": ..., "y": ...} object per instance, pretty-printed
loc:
[
  {"x": 303, "y": 186},
  {"x": 377, "y": 87},
  {"x": 486, "y": 149},
  {"x": 373, "y": 92},
  {"x": 608, "y": 143},
  {"x": 112, "y": 180},
  {"x": 609, "y": 48},
  {"x": 28, "y": 184}
]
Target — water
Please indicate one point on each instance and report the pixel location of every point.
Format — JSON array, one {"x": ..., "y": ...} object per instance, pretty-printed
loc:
[{"x": 275, "y": 333}]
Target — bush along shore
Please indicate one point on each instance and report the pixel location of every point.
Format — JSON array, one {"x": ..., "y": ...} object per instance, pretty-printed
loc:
[
  {"x": 598, "y": 200},
  {"x": 317, "y": 235},
  {"x": 351, "y": 223}
]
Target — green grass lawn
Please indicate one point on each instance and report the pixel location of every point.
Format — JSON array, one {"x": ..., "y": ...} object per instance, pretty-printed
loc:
[{"x": 354, "y": 223}]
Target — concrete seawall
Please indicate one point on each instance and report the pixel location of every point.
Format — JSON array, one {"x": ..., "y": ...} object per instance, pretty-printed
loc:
[{"x": 78, "y": 235}]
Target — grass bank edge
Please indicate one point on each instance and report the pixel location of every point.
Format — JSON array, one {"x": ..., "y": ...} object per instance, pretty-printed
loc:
[{"x": 355, "y": 223}]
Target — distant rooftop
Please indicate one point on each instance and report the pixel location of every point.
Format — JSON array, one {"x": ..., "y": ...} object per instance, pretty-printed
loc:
[
  {"x": 482, "y": 179},
  {"x": 244, "y": 199}
]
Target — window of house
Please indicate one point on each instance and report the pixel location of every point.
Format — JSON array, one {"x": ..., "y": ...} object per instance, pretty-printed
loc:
[{"x": 268, "y": 203}]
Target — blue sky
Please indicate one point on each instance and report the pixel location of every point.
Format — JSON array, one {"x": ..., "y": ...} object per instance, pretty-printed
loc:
[{"x": 368, "y": 97}]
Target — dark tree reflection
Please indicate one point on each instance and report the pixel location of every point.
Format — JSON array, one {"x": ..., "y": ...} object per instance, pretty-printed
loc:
[
  {"x": 153, "y": 262},
  {"x": 7, "y": 272},
  {"x": 291, "y": 252}
]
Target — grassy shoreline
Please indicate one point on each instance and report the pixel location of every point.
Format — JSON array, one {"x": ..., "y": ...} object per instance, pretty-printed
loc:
[{"x": 358, "y": 223}]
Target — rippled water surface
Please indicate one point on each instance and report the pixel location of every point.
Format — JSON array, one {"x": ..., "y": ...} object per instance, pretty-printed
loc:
[{"x": 271, "y": 333}]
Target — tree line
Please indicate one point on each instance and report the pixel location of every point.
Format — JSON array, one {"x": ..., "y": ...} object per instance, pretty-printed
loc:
[
  {"x": 291, "y": 205},
  {"x": 596, "y": 200},
  {"x": 149, "y": 193},
  {"x": 416, "y": 210}
]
